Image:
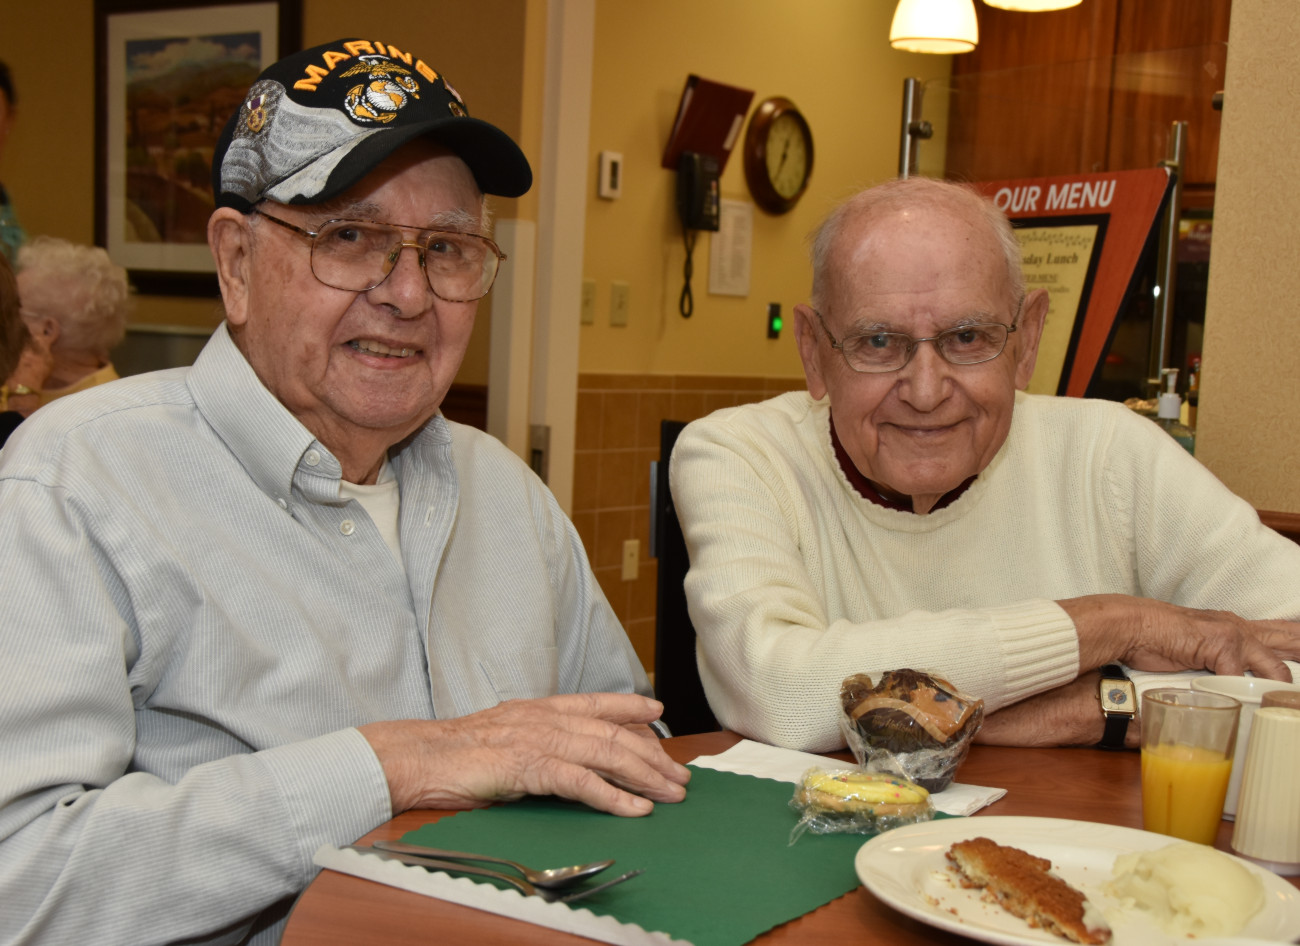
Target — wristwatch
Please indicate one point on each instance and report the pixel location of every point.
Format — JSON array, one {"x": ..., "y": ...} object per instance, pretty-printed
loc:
[{"x": 1118, "y": 705}]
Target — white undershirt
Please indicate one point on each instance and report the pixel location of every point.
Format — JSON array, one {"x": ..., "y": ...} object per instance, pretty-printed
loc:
[{"x": 382, "y": 502}]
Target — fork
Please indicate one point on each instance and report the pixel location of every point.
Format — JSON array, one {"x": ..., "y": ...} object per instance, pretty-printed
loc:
[
  {"x": 552, "y": 878},
  {"x": 523, "y": 886}
]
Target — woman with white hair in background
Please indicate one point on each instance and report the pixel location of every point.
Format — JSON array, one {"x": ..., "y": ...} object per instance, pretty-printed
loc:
[
  {"x": 24, "y": 360},
  {"x": 76, "y": 299}
]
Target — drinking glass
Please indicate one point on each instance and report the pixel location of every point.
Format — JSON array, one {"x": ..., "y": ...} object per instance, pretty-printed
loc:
[{"x": 1188, "y": 739}]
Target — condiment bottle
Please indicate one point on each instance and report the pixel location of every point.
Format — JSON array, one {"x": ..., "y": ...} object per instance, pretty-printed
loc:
[
  {"x": 1167, "y": 411},
  {"x": 1287, "y": 698},
  {"x": 1193, "y": 390}
]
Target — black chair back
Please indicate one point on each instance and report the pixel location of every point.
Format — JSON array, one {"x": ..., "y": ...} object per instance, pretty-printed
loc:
[{"x": 677, "y": 677}]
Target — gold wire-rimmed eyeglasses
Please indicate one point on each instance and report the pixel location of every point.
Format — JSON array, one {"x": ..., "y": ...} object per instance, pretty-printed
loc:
[{"x": 358, "y": 255}]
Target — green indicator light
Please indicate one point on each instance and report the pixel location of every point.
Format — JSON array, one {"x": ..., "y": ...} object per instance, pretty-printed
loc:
[{"x": 777, "y": 323}]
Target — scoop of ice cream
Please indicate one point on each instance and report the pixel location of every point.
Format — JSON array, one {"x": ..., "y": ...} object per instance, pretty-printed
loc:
[{"x": 1189, "y": 889}]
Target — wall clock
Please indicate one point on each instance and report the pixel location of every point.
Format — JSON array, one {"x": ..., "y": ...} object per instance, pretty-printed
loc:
[{"x": 778, "y": 155}]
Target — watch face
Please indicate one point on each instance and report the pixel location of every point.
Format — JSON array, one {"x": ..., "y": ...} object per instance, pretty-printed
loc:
[{"x": 1117, "y": 698}]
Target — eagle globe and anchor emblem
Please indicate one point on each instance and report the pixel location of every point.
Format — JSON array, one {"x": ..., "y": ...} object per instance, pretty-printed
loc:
[{"x": 387, "y": 89}]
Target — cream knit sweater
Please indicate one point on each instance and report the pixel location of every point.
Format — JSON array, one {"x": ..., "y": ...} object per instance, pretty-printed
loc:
[{"x": 796, "y": 581}]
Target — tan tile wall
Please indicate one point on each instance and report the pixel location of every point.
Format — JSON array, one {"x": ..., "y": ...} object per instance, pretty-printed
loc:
[{"x": 617, "y": 437}]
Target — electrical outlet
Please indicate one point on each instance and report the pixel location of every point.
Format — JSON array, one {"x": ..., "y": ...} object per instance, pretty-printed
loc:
[
  {"x": 618, "y": 303},
  {"x": 631, "y": 559},
  {"x": 588, "y": 311}
]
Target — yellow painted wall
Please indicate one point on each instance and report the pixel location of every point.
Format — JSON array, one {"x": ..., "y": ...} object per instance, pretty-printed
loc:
[
  {"x": 832, "y": 58},
  {"x": 1248, "y": 420},
  {"x": 48, "y": 165}
]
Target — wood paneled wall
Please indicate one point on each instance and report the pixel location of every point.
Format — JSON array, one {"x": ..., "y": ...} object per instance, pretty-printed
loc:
[{"x": 1093, "y": 88}]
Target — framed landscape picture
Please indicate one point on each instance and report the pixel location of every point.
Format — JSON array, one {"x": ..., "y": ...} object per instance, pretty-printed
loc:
[{"x": 170, "y": 75}]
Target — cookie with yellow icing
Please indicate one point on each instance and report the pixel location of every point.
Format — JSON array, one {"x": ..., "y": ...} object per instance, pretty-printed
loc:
[{"x": 869, "y": 795}]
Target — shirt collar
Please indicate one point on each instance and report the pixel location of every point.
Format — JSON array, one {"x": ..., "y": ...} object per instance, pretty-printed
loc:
[{"x": 267, "y": 439}]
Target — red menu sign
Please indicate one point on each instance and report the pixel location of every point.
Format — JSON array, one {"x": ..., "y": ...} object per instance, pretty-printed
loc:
[{"x": 1081, "y": 237}]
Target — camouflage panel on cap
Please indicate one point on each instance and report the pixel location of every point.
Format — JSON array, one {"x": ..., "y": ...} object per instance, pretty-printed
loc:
[{"x": 275, "y": 137}]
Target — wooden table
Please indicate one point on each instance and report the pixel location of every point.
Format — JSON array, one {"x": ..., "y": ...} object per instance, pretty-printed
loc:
[{"x": 1083, "y": 784}]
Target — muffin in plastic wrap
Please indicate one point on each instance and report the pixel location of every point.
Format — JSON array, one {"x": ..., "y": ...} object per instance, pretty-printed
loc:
[{"x": 911, "y": 724}]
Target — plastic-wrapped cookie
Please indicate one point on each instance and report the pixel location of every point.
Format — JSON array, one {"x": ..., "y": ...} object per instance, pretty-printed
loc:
[{"x": 858, "y": 802}]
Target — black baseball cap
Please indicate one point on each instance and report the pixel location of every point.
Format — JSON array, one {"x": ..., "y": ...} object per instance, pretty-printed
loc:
[{"x": 317, "y": 122}]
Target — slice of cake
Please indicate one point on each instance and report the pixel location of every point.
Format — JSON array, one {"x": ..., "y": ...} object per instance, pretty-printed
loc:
[{"x": 1022, "y": 886}]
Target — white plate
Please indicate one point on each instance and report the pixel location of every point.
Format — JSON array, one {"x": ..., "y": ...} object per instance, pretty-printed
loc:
[{"x": 906, "y": 869}]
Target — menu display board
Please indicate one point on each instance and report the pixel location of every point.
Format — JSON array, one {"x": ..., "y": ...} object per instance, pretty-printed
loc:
[
  {"x": 1082, "y": 236},
  {"x": 1061, "y": 257}
]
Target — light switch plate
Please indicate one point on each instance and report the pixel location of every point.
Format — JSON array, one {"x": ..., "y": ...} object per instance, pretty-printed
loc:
[
  {"x": 611, "y": 175},
  {"x": 618, "y": 293}
]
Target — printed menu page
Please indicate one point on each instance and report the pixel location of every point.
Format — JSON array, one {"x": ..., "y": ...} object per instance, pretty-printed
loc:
[{"x": 1057, "y": 258}]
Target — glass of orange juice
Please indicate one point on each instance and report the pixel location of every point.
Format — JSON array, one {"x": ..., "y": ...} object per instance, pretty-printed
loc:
[{"x": 1187, "y": 742}]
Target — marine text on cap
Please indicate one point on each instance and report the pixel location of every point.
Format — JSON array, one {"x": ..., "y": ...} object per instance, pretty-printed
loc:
[{"x": 357, "y": 47}]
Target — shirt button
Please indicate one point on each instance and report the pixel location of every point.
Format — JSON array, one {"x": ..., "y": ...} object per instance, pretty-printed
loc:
[
  {"x": 346, "y": 527},
  {"x": 312, "y": 457},
  {"x": 282, "y": 503}
]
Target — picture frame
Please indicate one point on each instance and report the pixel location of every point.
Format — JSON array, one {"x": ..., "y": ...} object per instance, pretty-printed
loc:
[{"x": 169, "y": 75}]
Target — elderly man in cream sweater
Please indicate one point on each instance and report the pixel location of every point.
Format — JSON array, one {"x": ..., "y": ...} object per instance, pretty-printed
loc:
[{"x": 915, "y": 508}]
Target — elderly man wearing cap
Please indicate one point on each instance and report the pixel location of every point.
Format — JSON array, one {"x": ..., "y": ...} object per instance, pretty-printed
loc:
[{"x": 262, "y": 604}]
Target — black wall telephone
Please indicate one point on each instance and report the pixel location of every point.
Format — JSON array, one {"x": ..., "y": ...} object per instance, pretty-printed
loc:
[
  {"x": 697, "y": 205},
  {"x": 697, "y": 191}
]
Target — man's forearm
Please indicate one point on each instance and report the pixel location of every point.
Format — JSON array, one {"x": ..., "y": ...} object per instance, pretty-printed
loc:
[
  {"x": 1067, "y": 716},
  {"x": 226, "y": 841},
  {"x": 1154, "y": 635}
]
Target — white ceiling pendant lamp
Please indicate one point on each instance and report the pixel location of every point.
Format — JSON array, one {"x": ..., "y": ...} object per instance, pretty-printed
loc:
[
  {"x": 934, "y": 26},
  {"x": 1033, "y": 6}
]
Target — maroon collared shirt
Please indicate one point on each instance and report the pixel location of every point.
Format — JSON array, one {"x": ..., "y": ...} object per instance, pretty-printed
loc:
[{"x": 867, "y": 491}]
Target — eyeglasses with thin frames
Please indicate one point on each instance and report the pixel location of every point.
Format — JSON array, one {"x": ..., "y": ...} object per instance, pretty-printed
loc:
[
  {"x": 880, "y": 352},
  {"x": 358, "y": 255}
]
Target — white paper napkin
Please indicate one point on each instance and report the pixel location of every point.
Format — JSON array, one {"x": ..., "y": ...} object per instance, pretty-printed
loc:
[
  {"x": 511, "y": 903},
  {"x": 787, "y": 765}
]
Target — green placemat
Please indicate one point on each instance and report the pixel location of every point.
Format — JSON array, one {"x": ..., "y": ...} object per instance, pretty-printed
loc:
[{"x": 719, "y": 868}]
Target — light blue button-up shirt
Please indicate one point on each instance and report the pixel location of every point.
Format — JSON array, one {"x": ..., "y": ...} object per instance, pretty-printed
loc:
[{"x": 194, "y": 624}]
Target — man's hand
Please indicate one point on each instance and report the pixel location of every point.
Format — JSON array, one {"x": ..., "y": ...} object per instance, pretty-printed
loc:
[
  {"x": 1070, "y": 715},
  {"x": 1153, "y": 635},
  {"x": 589, "y": 747}
]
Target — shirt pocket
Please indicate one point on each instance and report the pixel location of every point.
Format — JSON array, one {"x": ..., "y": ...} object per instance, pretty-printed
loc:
[{"x": 524, "y": 674}]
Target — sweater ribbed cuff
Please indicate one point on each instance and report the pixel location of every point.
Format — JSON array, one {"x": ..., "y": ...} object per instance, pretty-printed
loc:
[{"x": 1040, "y": 646}]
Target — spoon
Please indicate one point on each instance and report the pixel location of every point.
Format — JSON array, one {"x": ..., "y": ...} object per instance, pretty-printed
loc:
[
  {"x": 523, "y": 886},
  {"x": 550, "y": 879}
]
